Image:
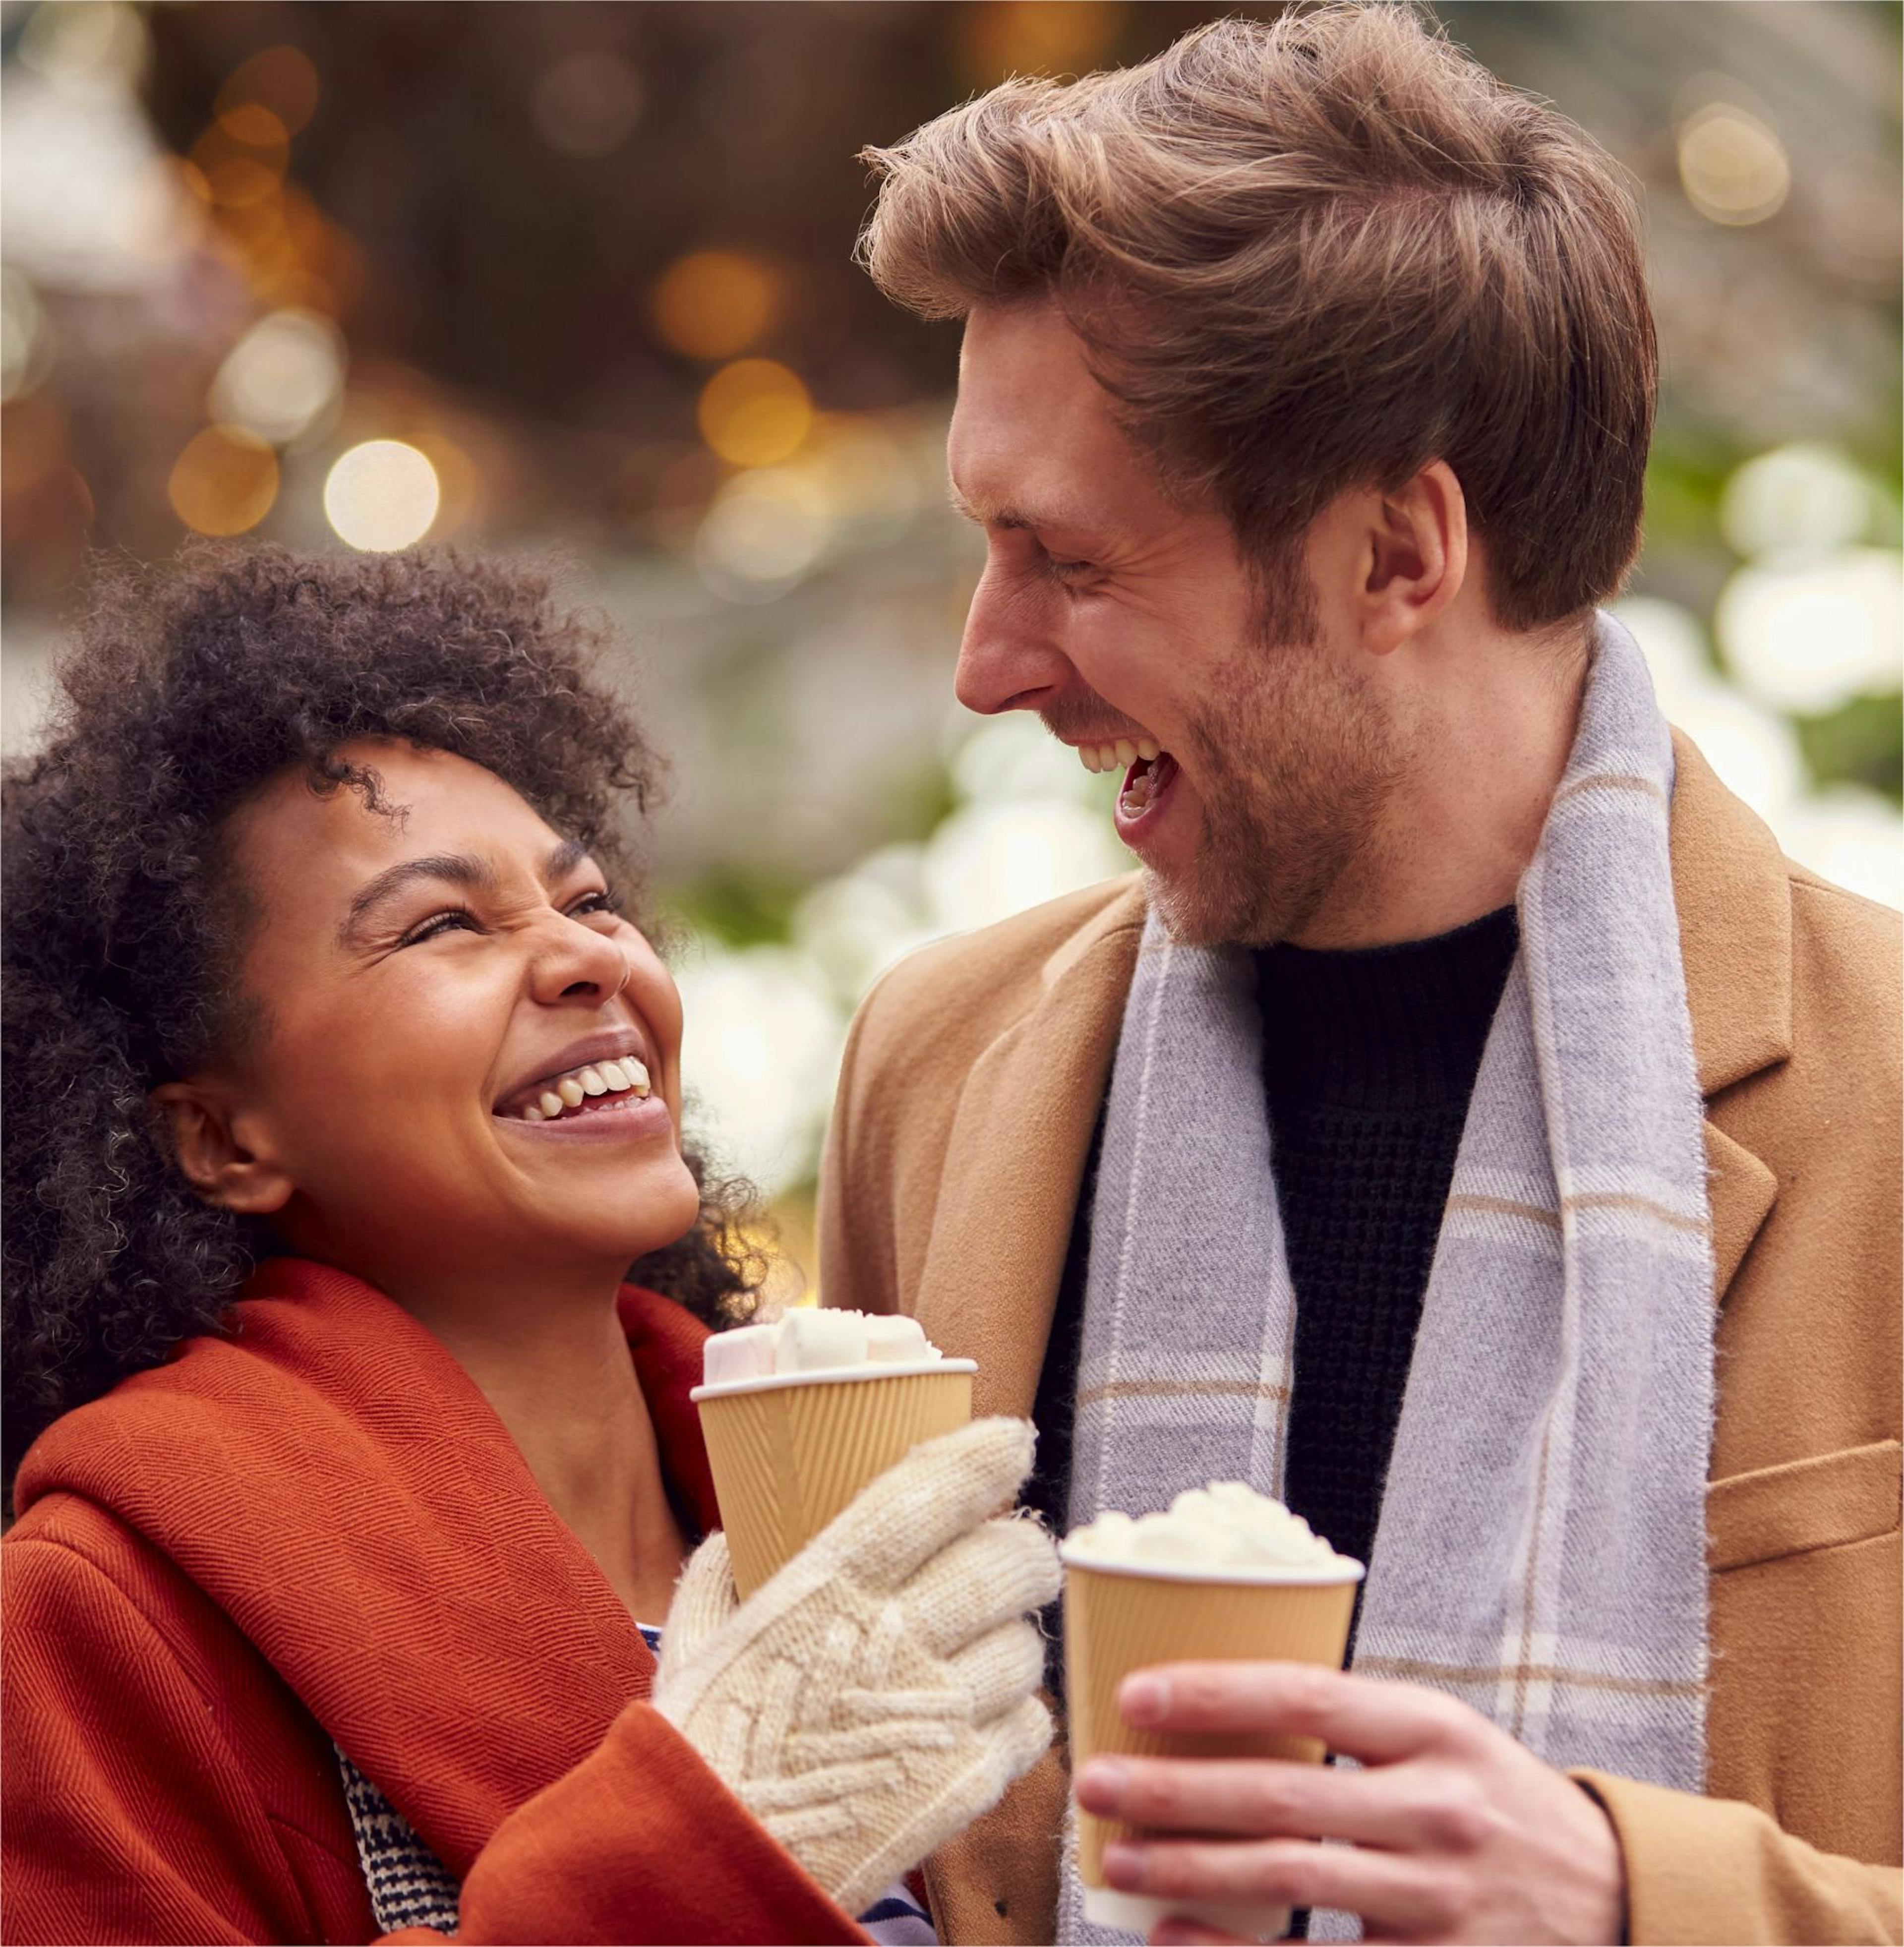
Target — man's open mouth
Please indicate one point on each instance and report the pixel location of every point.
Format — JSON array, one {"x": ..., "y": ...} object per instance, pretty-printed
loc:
[{"x": 1147, "y": 769}]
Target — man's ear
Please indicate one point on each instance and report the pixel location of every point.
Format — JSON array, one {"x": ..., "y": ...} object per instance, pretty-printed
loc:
[
  {"x": 223, "y": 1161},
  {"x": 1416, "y": 557}
]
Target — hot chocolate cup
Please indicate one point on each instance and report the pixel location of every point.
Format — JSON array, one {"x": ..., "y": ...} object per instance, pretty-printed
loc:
[
  {"x": 1123, "y": 1616},
  {"x": 790, "y": 1451}
]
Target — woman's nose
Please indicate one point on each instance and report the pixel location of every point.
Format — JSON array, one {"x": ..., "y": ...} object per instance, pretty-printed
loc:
[{"x": 575, "y": 961}]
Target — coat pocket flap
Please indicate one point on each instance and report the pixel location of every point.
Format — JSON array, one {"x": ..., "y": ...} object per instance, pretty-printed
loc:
[{"x": 1849, "y": 1495}]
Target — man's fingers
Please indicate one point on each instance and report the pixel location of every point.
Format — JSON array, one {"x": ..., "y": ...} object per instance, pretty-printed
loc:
[
  {"x": 1263, "y": 1798},
  {"x": 1390, "y": 1890},
  {"x": 1378, "y": 1722}
]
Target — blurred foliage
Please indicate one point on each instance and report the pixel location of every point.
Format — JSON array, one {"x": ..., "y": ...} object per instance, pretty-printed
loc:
[{"x": 1862, "y": 743}]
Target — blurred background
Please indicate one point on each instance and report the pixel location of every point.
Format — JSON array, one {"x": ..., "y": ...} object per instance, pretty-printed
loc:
[{"x": 354, "y": 274}]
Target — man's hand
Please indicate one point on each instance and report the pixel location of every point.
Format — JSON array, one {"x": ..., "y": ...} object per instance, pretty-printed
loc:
[{"x": 1458, "y": 1833}]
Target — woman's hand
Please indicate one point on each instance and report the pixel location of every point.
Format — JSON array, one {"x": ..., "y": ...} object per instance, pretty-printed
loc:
[
  {"x": 879, "y": 1693},
  {"x": 1457, "y": 1832}
]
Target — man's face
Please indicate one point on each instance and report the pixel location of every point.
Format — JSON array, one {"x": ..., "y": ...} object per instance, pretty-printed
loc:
[{"x": 1258, "y": 744}]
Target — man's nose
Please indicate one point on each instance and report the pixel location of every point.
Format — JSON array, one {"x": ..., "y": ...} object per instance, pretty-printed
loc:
[{"x": 1009, "y": 657}]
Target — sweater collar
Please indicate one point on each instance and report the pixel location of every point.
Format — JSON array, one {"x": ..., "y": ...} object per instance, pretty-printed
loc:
[{"x": 331, "y": 1479}]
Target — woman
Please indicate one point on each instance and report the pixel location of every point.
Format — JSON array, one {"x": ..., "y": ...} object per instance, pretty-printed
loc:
[{"x": 341, "y": 1093}]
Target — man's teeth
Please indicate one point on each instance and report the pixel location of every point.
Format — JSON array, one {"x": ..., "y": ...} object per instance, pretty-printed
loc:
[
  {"x": 597, "y": 1078},
  {"x": 1119, "y": 756}
]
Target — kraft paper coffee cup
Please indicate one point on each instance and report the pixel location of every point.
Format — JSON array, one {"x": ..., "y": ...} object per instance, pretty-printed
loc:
[
  {"x": 789, "y": 1450},
  {"x": 1127, "y": 1616}
]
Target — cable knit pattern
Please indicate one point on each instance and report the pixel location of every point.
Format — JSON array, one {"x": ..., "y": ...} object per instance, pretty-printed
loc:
[{"x": 878, "y": 1693}]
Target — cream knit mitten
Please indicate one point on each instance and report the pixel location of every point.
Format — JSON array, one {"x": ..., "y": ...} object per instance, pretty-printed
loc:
[{"x": 879, "y": 1693}]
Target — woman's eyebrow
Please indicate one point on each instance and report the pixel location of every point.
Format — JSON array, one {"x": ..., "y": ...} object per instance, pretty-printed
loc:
[{"x": 454, "y": 868}]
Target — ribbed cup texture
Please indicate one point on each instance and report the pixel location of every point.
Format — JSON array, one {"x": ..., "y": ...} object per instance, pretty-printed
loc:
[
  {"x": 1116, "y": 1624},
  {"x": 788, "y": 1459}
]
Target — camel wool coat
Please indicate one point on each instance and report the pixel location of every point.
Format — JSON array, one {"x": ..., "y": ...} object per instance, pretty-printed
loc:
[{"x": 973, "y": 1079}]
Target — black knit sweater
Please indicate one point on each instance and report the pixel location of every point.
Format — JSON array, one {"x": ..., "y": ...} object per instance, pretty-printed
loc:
[{"x": 1369, "y": 1059}]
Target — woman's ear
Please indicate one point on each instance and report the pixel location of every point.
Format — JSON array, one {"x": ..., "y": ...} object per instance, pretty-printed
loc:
[{"x": 215, "y": 1158}]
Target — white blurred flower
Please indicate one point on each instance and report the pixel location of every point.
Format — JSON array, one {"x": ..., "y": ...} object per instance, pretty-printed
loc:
[
  {"x": 855, "y": 927},
  {"x": 1850, "y": 836},
  {"x": 1755, "y": 753},
  {"x": 759, "y": 1056},
  {"x": 1795, "y": 500},
  {"x": 766, "y": 528},
  {"x": 1809, "y": 636},
  {"x": 1015, "y": 756},
  {"x": 990, "y": 860}
]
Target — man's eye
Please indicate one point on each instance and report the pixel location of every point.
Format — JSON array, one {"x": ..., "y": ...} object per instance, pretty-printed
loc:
[
  {"x": 1068, "y": 571},
  {"x": 452, "y": 919}
]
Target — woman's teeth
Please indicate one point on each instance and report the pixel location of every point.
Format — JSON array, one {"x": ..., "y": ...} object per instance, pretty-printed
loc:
[
  {"x": 599, "y": 1078},
  {"x": 1120, "y": 756}
]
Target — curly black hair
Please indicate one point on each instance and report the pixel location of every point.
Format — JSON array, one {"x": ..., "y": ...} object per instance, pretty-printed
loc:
[{"x": 183, "y": 689}]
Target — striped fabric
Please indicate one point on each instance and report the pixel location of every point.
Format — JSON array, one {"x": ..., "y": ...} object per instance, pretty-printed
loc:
[
  {"x": 1541, "y": 1548},
  {"x": 409, "y": 1886}
]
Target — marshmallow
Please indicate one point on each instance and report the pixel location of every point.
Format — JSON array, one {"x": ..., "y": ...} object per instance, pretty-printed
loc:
[
  {"x": 807, "y": 1340},
  {"x": 811, "y": 1341},
  {"x": 1226, "y": 1525},
  {"x": 895, "y": 1339},
  {"x": 745, "y": 1353}
]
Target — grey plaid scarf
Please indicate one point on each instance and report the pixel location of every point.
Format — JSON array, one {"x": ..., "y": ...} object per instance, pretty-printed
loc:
[{"x": 1541, "y": 1548}]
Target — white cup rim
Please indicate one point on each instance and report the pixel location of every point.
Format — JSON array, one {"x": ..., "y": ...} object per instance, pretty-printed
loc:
[
  {"x": 768, "y": 1382},
  {"x": 1343, "y": 1570}
]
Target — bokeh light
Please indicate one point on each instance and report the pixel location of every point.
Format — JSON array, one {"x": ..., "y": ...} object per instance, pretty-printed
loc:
[
  {"x": 25, "y": 340},
  {"x": 1004, "y": 37},
  {"x": 382, "y": 496},
  {"x": 765, "y": 530},
  {"x": 1810, "y": 636},
  {"x": 1852, "y": 837},
  {"x": 715, "y": 304},
  {"x": 762, "y": 1044},
  {"x": 1800, "y": 499},
  {"x": 1733, "y": 165},
  {"x": 754, "y": 412},
  {"x": 85, "y": 46},
  {"x": 281, "y": 79},
  {"x": 225, "y": 482},
  {"x": 283, "y": 377},
  {"x": 587, "y": 102}
]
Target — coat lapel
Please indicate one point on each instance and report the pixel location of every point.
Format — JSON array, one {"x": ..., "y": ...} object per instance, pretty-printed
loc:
[
  {"x": 1015, "y": 1159},
  {"x": 1730, "y": 883}
]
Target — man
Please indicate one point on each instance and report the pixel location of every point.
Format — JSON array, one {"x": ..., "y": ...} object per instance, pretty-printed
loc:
[{"x": 1389, "y": 1144}]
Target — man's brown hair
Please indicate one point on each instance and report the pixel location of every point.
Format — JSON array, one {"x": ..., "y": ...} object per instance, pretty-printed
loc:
[{"x": 1315, "y": 254}]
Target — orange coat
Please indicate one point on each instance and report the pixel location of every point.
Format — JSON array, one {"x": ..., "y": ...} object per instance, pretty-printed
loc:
[{"x": 319, "y": 1531}]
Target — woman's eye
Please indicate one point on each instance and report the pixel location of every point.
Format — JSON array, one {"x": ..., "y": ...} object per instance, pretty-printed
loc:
[
  {"x": 606, "y": 901},
  {"x": 453, "y": 919}
]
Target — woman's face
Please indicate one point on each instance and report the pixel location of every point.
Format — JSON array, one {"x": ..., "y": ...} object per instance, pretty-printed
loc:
[{"x": 464, "y": 1055}]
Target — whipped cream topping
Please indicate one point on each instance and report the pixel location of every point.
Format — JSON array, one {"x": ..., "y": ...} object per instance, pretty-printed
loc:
[
  {"x": 1226, "y": 1525},
  {"x": 811, "y": 1340}
]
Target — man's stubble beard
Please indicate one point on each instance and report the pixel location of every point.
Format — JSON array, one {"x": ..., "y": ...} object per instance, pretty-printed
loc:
[{"x": 1294, "y": 763}]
